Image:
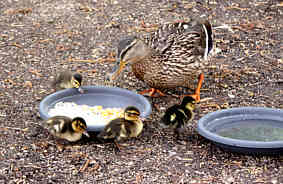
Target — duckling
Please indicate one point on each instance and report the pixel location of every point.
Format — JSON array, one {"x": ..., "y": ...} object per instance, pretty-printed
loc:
[
  {"x": 178, "y": 116},
  {"x": 66, "y": 128},
  {"x": 122, "y": 128},
  {"x": 67, "y": 79}
]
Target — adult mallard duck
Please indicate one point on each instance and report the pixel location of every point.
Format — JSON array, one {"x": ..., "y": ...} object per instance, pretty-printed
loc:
[{"x": 168, "y": 58}]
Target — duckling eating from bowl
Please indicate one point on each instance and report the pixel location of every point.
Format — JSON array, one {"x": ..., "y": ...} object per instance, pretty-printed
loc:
[
  {"x": 129, "y": 126},
  {"x": 66, "y": 128},
  {"x": 67, "y": 79},
  {"x": 177, "y": 116}
]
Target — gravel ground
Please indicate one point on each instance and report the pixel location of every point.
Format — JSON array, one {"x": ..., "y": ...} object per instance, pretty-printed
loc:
[{"x": 39, "y": 38}]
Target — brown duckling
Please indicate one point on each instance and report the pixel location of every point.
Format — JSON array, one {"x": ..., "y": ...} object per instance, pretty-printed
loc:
[
  {"x": 67, "y": 79},
  {"x": 178, "y": 116},
  {"x": 123, "y": 128},
  {"x": 66, "y": 128}
]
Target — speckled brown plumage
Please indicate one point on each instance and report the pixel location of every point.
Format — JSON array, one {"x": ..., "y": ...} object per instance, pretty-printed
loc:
[{"x": 169, "y": 57}]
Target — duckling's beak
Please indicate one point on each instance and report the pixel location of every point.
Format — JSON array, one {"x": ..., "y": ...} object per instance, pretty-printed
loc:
[
  {"x": 197, "y": 108},
  {"x": 86, "y": 134},
  {"x": 80, "y": 89},
  {"x": 142, "y": 118},
  {"x": 117, "y": 69}
]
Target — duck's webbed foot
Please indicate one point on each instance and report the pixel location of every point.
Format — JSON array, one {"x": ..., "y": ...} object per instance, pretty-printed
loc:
[{"x": 152, "y": 92}]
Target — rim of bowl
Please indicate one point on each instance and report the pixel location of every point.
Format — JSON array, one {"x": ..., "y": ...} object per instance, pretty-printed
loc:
[{"x": 261, "y": 111}]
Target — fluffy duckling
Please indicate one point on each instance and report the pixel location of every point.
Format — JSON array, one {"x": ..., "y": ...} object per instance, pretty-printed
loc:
[
  {"x": 66, "y": 128},
  {"x": 67, "y": 79},
  {"x": 122, "y": 128},
  {"x": 178, "y": 116}
]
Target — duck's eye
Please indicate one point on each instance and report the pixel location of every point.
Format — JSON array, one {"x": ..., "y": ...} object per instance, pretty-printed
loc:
[
  {"x": 82, "y": 125},
  {"x": 124, "y": 52}
]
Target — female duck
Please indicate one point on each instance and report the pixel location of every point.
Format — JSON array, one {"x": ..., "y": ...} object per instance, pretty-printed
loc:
[{"x": 168, "y": 58}]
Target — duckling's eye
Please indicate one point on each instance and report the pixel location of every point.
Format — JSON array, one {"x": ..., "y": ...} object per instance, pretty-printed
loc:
[
  {"x": 134, "y": 114},
  {"x": 82, "y": 125},
  {"x": 76, "y": 84}
]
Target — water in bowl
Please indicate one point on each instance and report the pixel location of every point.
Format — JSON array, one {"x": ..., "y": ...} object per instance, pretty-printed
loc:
[{"x": 253, "y": 130}]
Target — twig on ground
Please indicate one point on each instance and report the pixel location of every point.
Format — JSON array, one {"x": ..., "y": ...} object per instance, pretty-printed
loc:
[{"x": 83, "y": 168}]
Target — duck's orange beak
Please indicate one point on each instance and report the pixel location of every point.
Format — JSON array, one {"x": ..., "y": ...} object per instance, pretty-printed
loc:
[{"x": 118, "y": 68}]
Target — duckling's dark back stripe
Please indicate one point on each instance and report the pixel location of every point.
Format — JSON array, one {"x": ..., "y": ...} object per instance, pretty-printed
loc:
[
  {"x": 66, "y": 127},
  {"x": 181, "y": 120},
  {"x": 186, "y": 113}
]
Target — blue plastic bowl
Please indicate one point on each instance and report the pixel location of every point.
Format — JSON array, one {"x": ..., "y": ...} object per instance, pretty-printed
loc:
[
  {"x": 96, "y": 95},
  {"x": 210, "y": 124}
]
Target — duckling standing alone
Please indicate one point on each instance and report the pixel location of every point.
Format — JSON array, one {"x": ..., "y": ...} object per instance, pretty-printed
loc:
[
  {"x": 122, "y": 128},
  {"x": 67, "y": 79},
  {"x": 66, "y": 128},
  {"x": 168, "y": 58},
  {"x": 178, "y": 116}
]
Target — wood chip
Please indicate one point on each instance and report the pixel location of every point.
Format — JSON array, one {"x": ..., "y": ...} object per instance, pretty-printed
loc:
[
  {"x": 236, "y": 7},
  {"x": 62, "y": 48},
  {"x": 83, "y": 168},
  {"x": 139, "y": 178},
  {"x": 211, "y": 105},
  {"x": 96, "y": 166},
  {"x": 16, "y": 45},
  {"x": 101, "y": 60},
  {"x": 18, "y": 11},
  {"x": 45, "y": 40},
  {"x": 28, "y": 84},
  {"x": 60, "y": 147},
  {"x": 85, "y": 8}
]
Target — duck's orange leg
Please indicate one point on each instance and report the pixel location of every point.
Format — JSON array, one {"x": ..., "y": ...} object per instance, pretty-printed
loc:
[
  {"x": 152, "y": 92},
  {"x": 196, "y": 96}
]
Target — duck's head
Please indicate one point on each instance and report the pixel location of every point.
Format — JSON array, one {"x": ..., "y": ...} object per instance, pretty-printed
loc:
[
  {"x": 79, "y": 125},
  {"x": 77, "y": 81},
  {"x": 132, "y": 113},
  {"x": 129, "y": 50},
  {"x": 189, "y": 102}
]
